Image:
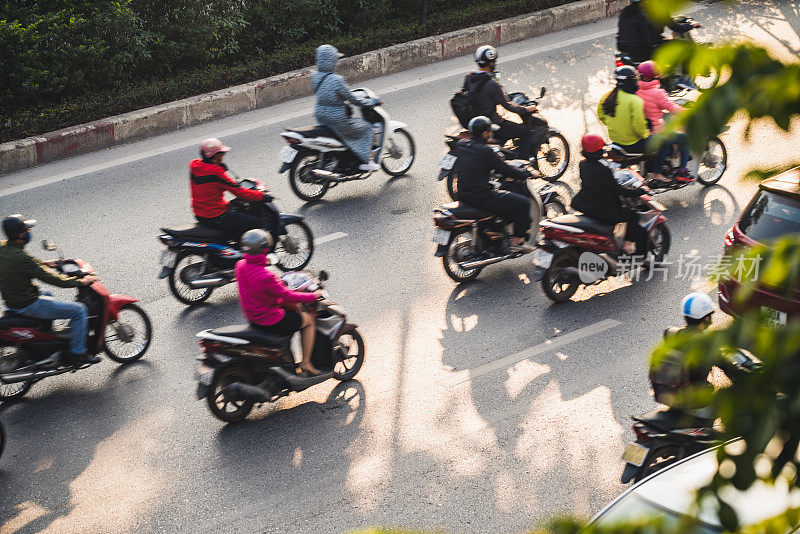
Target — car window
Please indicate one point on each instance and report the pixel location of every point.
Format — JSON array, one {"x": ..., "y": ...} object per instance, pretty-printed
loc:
[
  {"x": 770, "y": 216},
  {"x": 634, "y": 508}
]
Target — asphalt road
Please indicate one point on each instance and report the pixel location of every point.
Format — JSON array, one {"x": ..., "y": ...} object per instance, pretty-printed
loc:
[{"x": 480, "y": 408}]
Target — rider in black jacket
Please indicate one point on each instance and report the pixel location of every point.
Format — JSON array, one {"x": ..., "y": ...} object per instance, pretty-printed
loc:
[
  {"x": 476, "y": 160},
  {"x": 487, "y": 94},
  {"x": 638, "y": 37}
]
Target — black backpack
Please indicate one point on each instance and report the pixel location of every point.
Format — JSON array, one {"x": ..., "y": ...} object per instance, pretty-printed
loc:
[{"x": 462, "y": 102}]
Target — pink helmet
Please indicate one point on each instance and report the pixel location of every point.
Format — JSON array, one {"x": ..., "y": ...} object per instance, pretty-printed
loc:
[
  {"x": 209, "y": 147},
  {"x": 648, "y": 70}
]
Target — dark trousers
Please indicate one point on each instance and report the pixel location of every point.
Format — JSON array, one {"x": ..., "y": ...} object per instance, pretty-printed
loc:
[
  {"x": 234, "y": 223},
  {"x": 638, "y": 54},
  {"x": 529, "y": 136},
  {"x": 634, "y": 232},
  {"x": 510, "y": 206},
  {"x": 644, "y": 145}
]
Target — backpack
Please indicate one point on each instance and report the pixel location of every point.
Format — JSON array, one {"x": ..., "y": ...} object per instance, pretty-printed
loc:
[
  {"x": 462, "y": 102},
  {"x": 670, "y": 373}
]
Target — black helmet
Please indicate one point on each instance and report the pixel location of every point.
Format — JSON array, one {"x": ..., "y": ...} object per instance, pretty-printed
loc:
[
  {"x": 16, "y": 225},
  {"x": 256, "y": 241},
  {"x": 626, "y": 77},
  {"x": 485, "y": 55},
  {"x": 481, "y": 124}
]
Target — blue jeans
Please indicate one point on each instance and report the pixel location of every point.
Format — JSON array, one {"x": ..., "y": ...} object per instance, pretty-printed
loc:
[{"x": 46, "y": 307}]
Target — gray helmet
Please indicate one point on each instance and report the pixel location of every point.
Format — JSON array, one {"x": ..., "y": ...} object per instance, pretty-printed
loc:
[
  {"x": 256, "y": 241},
  {"x": 485, "y": 55},
  {"x": 481, "y": 124}
]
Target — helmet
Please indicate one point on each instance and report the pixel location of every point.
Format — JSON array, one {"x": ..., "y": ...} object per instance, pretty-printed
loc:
[
  {"x": 16, "y": 225},
  {"x": 212, "y": 146},
  {"x": 697, "y": 306},
  {"x": 648, "y": 70},
  {"x": 256, "y": 241},
  {"x": 485, "y": 55},
  {"x": 624, "y": 73},
  {"x": 481, "y": 124},
  {"x": 592, "y": 143}
]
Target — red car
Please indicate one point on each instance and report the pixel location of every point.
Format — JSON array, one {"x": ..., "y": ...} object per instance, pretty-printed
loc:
[{"x": 773, "y": 212}]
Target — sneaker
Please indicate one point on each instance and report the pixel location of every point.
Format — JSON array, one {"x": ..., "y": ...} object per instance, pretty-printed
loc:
[
  {"x": 371, "y": 166},
  {"x": 683, "y": 176},
  {"x": 81, "y": 359}
]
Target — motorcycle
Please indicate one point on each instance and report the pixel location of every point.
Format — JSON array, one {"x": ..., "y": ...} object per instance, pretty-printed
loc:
[
  {"x": 552, "y": 159},
  {"x": 664, "y": 437},
  {"x": 318, "y": 160},
  {"x": 678, "y": 82},
  {"x": 577, "y": 250},
  {"x": 468, "y": 239},
  {"x": 29, "y": 347},
  {"x": 242, "y": 365},
  {"x": 200, "y": 259}
]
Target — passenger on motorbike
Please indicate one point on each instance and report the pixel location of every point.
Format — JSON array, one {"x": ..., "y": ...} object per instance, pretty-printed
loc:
[
  {"x": 332, "y": 111},
  {"x": 209, "y": 180},
  {"x": 22, "y": 296},
  {"x": 263, "y": 296},
  {"x": 486, "y": 94},
  {"x": 671, "y": 374},
  {"x": 656, "y": 103},
  {"x": 599, "y": 197},
  {"x": 638, "y": 36},
  {"x": 476, "y": 160}
]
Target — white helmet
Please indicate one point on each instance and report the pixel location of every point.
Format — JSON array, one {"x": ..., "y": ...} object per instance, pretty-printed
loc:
[
  {"x": 485, "y": 55},
  {"x": 697, "y": 306}
]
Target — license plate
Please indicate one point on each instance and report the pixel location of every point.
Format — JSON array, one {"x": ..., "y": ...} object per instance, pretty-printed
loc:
[
  {"x": 773, "y": 318},
  {"x": 635, "y": 454},
  {"x": 168, "y": 258},
  {"x": 204, "y": 374},
  {"x": 447, "y": 161},
  {"x": 441, "y": 237},
  {"x": 542, "y": 258},
  {"x": 288, "y": 154}
]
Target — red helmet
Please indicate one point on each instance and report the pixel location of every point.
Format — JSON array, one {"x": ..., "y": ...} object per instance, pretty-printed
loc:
[
  {"x": 592, "y": 143},
  {"x": 648, "y": 70}
]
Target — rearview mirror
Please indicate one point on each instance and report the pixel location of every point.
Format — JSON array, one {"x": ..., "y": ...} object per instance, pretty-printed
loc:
[
  {"x": 323, "y": 275},
  {"x": 542, "y": 92},
  {"x": 48, "y": 245}
]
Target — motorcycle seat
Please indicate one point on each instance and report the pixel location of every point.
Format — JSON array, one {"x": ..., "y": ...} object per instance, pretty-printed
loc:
[
  {"x": 584, "y": 223},
  {"x": 11, "y": 319},
  {"x": 253, "y": 335},
  {"x": 619, "y": 154},
  {"x": 668, "y": 420},
  {"x": 314, "y": 131},
  {"x": 463, "y": 211},
  {"x": 196, "y": 232}
]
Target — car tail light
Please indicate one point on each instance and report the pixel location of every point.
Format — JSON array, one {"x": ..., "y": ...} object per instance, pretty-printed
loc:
[
  {"x": 730, "y": 238},
  {"x": 641, "y": 435},
  {"x": 291, "y": 140}
]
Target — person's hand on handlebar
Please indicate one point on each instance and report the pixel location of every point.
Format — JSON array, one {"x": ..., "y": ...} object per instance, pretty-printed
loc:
[
  {"x": 89, "y": 279},
  {"x": 531, "y": 109},
  {"x": 319, "y": 294}
]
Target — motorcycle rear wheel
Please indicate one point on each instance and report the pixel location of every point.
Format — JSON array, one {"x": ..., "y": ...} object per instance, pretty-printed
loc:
[
  {"x": 302, "y": 182},
  {"x": 659, "y": 242},
  {"x": 304, "y": 243},
  {"x": 560, "y": 291},
  {"x": 223, "y": 408},
  {"x": 352, "y": 345},
  {"x": 553, "y": 157},
  {"x": 456, "y": 246},
  {"x": 452, "y": 186},
  {"x": 126, "y": 335},
  {"x": 10, "y": 359},
  {"x": 178, "y": 280},
  {"x": 717, "y": 155}
]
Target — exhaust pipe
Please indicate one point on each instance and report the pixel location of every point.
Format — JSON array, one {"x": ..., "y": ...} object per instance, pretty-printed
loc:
[
  {"x": 482, "y": 263},
  {"x": 239, "y": 391},
  {"x": 220, "y": 278},
  {"x": 298, "y": 382}
]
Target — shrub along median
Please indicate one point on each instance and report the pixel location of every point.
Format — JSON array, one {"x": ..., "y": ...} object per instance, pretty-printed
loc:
[{"x": 68, "y": 62}]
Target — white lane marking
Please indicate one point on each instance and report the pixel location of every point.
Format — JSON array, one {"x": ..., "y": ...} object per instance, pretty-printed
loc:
[
  {"x": 550, "y": 344},
  {"x": 330, "y": 237}
]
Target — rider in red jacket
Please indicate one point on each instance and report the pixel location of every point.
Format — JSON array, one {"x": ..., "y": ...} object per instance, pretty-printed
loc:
[{"x": 209, "y": 180}]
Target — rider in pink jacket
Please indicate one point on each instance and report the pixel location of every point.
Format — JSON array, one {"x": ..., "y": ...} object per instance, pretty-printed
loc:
[
  {"x": 656, "y": 103},
  {"x": 262, "y": 295}
]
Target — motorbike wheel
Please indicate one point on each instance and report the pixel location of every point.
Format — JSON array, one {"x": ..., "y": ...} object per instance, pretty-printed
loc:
[
  {"x": 554, "y": 208},
  {"x": 456, "y": 251},
  {"x": 399, "y": 154},
  {"x": 223, "y": 408},
  {"x": 128, "y": 338},
  {"x": 187, "y": 266},
  {"x": 707, "y": 80},
  {"x": 12, "y": 358},
  {"x": 452, "y": 186},
  {"x": 659, "y": 242},
  {"x": 553, "y": 157},
  {"x": 350, "y": 347},
  {"x": 295, "y": 248},
  {"x": 657, "y": 460},
  {"x": 555, "y": 289},
  {"x": 713, "y": 162},
  {"x": 303, "y": 183}
]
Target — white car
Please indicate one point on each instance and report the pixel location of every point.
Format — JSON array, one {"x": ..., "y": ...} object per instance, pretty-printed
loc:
[{"x": 670, "y": 494}]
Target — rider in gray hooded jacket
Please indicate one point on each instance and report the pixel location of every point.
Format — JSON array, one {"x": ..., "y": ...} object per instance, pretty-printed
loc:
[{"x": 332, "y": 95}]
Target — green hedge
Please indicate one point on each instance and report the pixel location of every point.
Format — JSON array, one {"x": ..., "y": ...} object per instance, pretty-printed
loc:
[{"x": 66, "y": 62}]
